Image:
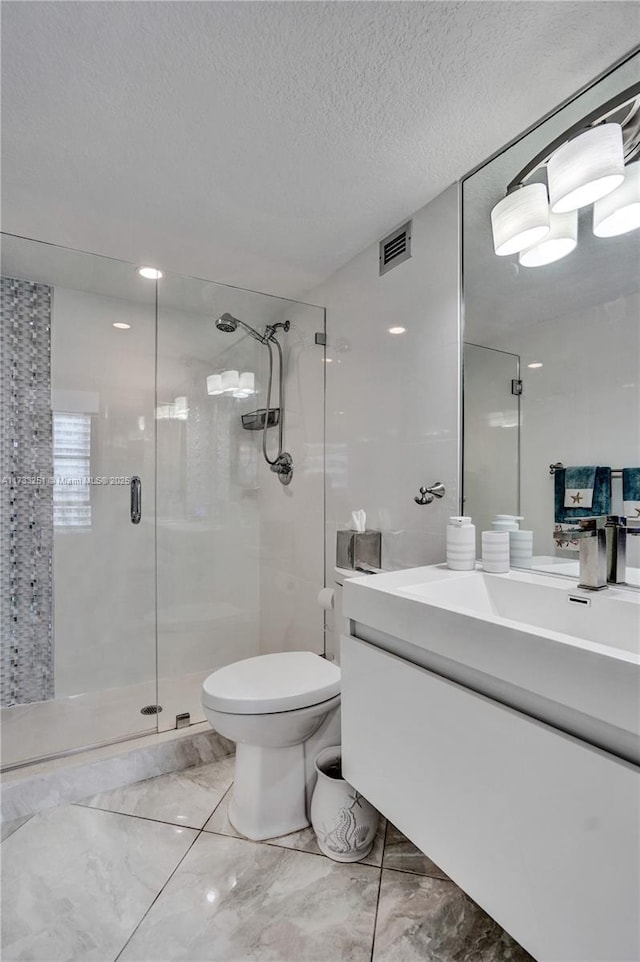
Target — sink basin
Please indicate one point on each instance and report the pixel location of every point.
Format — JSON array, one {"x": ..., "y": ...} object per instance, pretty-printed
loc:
[
  {"x": 609, "y": 617},
  {"x": 569, "y": 657}
]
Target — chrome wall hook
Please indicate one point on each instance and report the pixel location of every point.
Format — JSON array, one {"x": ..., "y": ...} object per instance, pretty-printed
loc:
[
  {"x": 423, "y": 497},
  {"x": 427, "y": 495}
]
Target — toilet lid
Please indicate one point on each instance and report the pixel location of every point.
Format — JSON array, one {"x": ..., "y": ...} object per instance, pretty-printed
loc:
[{"x": 272, "y": 683}]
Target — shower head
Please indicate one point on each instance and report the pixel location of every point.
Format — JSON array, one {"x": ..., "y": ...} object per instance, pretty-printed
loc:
[{"x": 228, "y": 323}]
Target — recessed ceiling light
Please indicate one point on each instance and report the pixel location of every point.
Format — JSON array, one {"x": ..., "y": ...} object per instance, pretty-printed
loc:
[
  {"x": 122, "y": 326},
  {"x": 397, "y": 330},
  {"x": 535, "y": 364},
  {"x": 151, "y": 273}
]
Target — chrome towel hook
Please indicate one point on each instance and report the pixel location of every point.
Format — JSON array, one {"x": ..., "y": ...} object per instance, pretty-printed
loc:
[{"x": 427, "y": 495}]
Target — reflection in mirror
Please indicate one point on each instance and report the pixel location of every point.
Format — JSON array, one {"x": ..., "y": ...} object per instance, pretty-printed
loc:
[{"x": 558, "y": 321}]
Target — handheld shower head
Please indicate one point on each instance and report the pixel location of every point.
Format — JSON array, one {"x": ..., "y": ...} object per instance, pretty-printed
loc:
[{"x": 228, "y": 323}]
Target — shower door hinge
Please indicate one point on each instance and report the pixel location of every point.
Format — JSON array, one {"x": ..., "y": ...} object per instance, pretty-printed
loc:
[
  {"x": 183, "y": 720},
  {"x": 321, "y": 339},
  {"x": 516, "y": 386}
]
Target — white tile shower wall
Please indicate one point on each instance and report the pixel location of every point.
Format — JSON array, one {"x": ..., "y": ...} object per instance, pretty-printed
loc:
[
  {"x": 393, "y": 400},
  {"x": 292, "y": 516},
  {"x": 578, "y": 412},
  {"x": 104, "y": 571}
]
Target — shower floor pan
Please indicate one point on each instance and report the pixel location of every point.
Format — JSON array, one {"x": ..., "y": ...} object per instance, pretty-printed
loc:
[{"x": 49, "y": 728}]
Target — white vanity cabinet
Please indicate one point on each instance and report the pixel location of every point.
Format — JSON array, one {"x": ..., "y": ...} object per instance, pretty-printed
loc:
[{"x": 537, "y": 826}]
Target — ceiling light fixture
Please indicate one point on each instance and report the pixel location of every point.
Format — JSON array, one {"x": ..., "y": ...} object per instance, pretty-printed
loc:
[
  {"x": 619, "y": 212},
  {"x": 214, "y": 384},
  {"x": 535, "y": 364},
  {"x": 122, "y": 326},
  {"x": 230, "y": 381},
  {"x": 560, "y": 241},
  {"x": 520, "y": 219},
  {"x": 586, "y": 168},
  {"x": 397, "y": 330},
  {"x": 150, "y": 273},
  {"x": 247, "y": 383},
  {"x": 584, "y": 165},
  {"x": 180, "y": 409}
]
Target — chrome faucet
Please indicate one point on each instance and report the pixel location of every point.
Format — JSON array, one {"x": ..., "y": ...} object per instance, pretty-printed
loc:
[
  {"x": 616, "y": 530},
  {"x": 593, "y": 552}
]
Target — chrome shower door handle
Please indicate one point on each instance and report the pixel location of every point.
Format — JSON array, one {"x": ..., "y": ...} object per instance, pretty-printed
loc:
[{"x": 136, "y": 499}]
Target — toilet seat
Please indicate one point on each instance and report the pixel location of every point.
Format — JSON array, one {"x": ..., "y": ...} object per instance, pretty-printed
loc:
[{"x": 267, "y": 684}]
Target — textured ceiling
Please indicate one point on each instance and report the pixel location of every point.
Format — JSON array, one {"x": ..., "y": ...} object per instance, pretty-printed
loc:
[{"x": 264, "y": 144}]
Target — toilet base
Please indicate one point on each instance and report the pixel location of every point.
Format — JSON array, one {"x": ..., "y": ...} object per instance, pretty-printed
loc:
[{"x": 268, "y": 796}]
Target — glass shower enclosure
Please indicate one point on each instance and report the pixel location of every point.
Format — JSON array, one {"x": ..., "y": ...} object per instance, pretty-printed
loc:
[{"x": 141, "y": 531}]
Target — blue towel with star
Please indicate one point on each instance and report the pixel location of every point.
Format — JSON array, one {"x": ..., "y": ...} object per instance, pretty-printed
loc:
[
  {"x": 631, "y": 492},
  {"x": 582, "y": 491}
]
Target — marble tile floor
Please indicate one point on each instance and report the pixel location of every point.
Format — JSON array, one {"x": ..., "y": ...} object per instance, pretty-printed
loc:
[{"x": 154, "y": 872}]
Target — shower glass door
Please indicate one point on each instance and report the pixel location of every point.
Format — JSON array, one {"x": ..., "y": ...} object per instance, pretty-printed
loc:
[
  {"x": 240, "y": 556},
  {"x": 491, "y": 481},
  {"x": 77, "y": 576}
]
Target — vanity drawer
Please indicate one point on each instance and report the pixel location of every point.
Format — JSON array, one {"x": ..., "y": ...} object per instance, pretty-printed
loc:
[{"x": 539, "y": 828}]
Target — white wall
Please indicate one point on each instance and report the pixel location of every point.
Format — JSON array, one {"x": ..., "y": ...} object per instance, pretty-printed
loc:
[{"x": 393, "y": 400}]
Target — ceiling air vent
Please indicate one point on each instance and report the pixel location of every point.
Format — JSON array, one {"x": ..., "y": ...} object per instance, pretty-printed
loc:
[{"x": 395, "y": 248}]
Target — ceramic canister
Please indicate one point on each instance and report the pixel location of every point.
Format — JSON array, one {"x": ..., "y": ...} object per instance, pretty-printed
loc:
[
  {"x": 520, "y": 548},
  {"x": 345, "y": 823},
  {"x": 495, "y": 551}
]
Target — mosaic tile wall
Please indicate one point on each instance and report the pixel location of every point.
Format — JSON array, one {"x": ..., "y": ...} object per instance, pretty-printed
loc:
[{"x": 26, "y": 493}]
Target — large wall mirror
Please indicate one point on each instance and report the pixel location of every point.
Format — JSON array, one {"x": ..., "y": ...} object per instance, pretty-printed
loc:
[{"x": 562, "y": 330}]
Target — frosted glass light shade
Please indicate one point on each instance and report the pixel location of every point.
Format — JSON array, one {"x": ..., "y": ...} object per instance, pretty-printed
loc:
[
  {"x": 247, "y": 385},
  {"x": 586, "y": 168},
  {"x": 230, "y": 381},
  {"x": 520, "y": 219},
  {"x": 214, "y": 384},
  {"x": 619, "y": 211},
  {"x": 560, "y": 241},
  {"x": 180, "y": 409},
  {"x": 248, "y": 382}
]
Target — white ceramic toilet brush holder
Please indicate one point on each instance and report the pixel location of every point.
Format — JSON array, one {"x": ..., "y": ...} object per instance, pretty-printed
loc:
[{"x": 345, "y": 823}]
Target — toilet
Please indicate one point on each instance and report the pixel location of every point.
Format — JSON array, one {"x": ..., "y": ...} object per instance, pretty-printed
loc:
[{"x": 281, "y": 710}]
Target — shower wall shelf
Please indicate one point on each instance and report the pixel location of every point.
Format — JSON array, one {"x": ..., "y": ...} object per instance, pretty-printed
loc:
[{"x": 254, "y": 421}]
